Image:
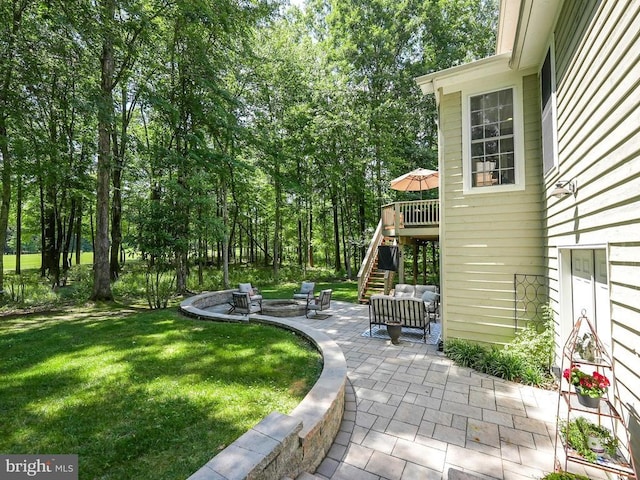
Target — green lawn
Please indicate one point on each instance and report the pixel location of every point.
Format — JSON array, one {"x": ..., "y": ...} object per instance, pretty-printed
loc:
[
  {"x": 31, "y": 261},
  {"x": 142, "y": 394}
]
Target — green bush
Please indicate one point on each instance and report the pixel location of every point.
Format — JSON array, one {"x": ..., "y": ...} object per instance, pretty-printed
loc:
[
  {"x": 465, "y": 354},
  {"x": 527, "y": 359},
  {"x": 80, "y": 283},
  {"x": 507, "y": 366},
  {"x": 564, "y": 476},
  {"x": 28, "y": 290},
  {"x": 487, "y": 361},
  {"x": 535, "y": 342}
]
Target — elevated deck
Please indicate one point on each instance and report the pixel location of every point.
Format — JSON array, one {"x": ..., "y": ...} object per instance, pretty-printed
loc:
[{"x": 418, "y": 219}]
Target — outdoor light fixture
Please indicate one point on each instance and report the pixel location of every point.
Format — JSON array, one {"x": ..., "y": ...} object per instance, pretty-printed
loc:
[{"x": 564, "y": 188}]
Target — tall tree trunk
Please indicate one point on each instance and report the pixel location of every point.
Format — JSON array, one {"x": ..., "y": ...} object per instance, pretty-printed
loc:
[
  {"x": 311, "y": 260},
  {"x": 43, "y": 249},
  {"x": 116, "y": 220},
  {"x": 101, "y": 272},
  {"x": 93, "y": 232},
  {"x": 362, "y": 227},
  {"x": 68, "y": 235},
  {"x": 225, "y": 238},
  {"x": 6, "y": 70},
  {"x": 301, "y": 248},
  {"x": 78, "y": 229},
  {"x": 119, "y": 152},
  {"x": 278, "y": 223},
  {"x": 51, "y": 252},
  {"x": 19, "y": 227},
  {"x": 6, "y": 193},
  {"x": 336, "y": 230},
  {"x": 252, "y": 229},
  {"x": 345, "y": 246}
]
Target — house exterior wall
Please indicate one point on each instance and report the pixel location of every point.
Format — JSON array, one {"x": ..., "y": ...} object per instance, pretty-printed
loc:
[
  {"x": 597, "y": 52},
  {"x": 487, "y": 236}
]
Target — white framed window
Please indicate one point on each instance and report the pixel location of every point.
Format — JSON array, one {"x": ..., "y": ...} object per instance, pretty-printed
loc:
[
  {"x": 492, "y": 136},
  {"x": 492, "y": 148},
  {"x": 548, "y": 111}
]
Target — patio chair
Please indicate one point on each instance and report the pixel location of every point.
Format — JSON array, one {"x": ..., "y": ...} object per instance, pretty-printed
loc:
[
  {"x": 241, "y": 303},
  {"x": 306, "y": 291},
  {"x": 254, "y": 293},
  {"x": 431, "y": 301},
  {"x": 319, "y": 303}
]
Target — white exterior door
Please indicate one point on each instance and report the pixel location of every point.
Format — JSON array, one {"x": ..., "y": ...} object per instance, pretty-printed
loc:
[{"x": 590, "y": 291}]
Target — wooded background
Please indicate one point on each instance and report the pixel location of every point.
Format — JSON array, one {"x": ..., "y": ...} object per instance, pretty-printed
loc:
[{"x": 199, "y": 132}]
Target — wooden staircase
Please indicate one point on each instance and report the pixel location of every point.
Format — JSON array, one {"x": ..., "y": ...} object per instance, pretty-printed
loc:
[
  {"x": 372, "y": 280},
  {"x": 375, "y": 282}
]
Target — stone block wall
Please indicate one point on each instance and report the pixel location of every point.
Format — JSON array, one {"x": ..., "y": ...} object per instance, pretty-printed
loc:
[{"x": 281, "y": 445}]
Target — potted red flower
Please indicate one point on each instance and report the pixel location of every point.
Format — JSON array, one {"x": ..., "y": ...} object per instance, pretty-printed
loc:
[{"x": 590, "y": 388}]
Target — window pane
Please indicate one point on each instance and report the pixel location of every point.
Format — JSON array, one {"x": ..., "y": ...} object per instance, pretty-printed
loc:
[
  {"x": 490, "y": 100},
  {"x": 506, "y": 145},
  {"x": 491, "y": 147},
  {"x": 507, "y": 177},
  {"x": 491, "y": 123},
  {"x": 476, "y": 118},
  {"x": 491, "y": 130},
  {"x": 545, "y": 79},
  {"x": 506, "y": 97},
  {"x": 477, "y": 149},
  {"x": 506, "y": 161},
  {"x": 477, "y": 133},
  {"x": 491, "y": 115},
  {"x": 506, "y": 128},
  {"x": 506, "y": 112}
]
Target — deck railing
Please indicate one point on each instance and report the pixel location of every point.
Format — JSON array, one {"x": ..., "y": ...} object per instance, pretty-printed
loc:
[
  {"x": 411, "y": 214},
  {"x": 369, "y": 259}
]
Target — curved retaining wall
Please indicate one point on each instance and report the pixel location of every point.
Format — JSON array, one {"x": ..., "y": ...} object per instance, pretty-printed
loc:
[{"x": 280, "y": 445}]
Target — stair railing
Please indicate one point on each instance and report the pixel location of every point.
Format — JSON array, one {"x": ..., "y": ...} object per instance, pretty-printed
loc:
[{"x": 369, "y": 260}]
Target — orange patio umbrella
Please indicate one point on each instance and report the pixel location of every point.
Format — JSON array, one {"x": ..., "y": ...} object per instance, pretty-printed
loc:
[{"x": 416, "y": 180}]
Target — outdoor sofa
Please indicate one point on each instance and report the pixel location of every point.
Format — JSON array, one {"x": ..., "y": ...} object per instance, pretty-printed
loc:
[{"x": 411, "y": 306}]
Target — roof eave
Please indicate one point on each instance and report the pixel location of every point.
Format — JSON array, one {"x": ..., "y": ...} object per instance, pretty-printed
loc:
[
  {"x": 507, "y": 25},
  {"x": 449, "y": 78},
  {"x": 535, "y": 25}
]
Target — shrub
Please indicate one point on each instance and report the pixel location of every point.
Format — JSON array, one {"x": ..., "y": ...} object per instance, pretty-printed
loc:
[
  {"x": 27, "y": 290},
  {"x": 80, "y": 283},
  {"x": 534, "y": 376},
  {"x": 507, "y": 366},
  {"x": 527, "y": 359},
  {"x": 160, "y": 286},
  {"x": 535, "y": 342},
  {"x": 564, "y": 476},
  {"x": 466, "y": 354}
]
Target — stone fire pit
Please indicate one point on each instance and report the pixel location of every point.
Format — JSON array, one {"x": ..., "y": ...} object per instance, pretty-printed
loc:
[{"x": 283, "y": 308}]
